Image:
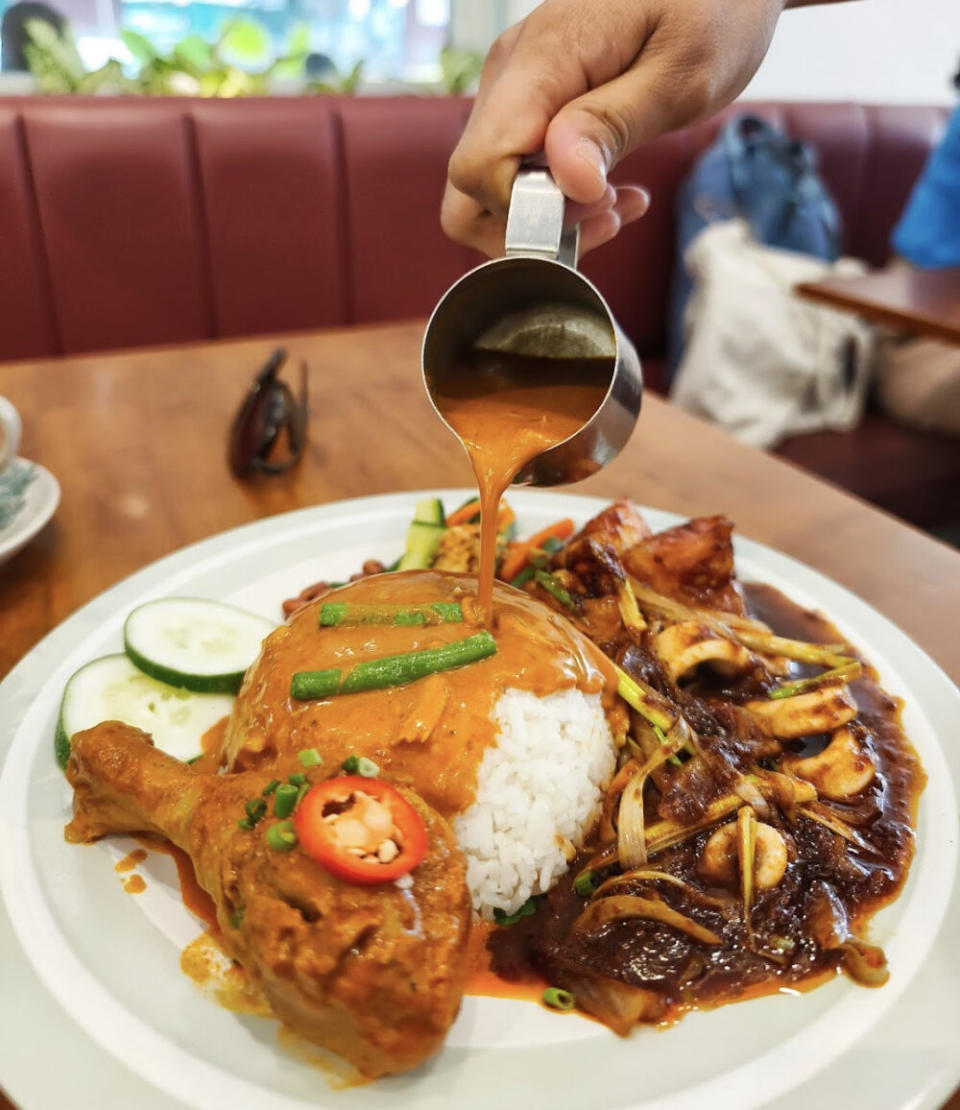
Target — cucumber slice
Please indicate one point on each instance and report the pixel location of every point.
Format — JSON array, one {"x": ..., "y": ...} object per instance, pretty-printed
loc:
[
  {"x": 113, "y": 689},
  {"x": 201, "y": 645},
  {"x": 422, "y": 543},
  {"x": 429, "y": 511}
]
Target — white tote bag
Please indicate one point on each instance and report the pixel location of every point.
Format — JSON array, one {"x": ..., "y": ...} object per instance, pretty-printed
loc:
[{"x": 760, "y": 360}]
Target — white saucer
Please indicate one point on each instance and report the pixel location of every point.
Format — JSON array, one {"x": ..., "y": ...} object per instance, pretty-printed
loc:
[{"x": 41, "y": 498}]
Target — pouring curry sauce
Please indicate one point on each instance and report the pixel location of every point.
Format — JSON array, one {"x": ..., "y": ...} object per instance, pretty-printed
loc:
[{"x": 507, "y": 409}]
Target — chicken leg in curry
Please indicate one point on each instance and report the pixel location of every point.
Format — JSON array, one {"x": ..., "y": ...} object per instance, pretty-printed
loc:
[{"x": 372, "y": 972}]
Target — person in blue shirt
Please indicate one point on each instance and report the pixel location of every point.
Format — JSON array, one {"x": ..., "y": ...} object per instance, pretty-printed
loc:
[
  {"x": 917, "y": 379},
  {"x": 928, "y": 233}
]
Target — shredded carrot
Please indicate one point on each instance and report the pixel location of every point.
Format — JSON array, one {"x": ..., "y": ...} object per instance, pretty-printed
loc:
[
  {"x": 463, "y": 514},
  {"x": 518, "y": 553}
]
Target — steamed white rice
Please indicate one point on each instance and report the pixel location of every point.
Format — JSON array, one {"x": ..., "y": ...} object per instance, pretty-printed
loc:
[{"x": 539, "y": 791}]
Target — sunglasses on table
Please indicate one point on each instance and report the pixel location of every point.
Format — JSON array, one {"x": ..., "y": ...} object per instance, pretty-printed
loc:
[{"x": 269, "y": 431}]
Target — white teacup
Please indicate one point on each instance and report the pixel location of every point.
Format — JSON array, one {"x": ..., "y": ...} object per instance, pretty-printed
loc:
[{"x": 10, "y": 428}]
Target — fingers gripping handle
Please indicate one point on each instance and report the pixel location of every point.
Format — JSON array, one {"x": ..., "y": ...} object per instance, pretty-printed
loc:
[{"x": 535, "y": 220}]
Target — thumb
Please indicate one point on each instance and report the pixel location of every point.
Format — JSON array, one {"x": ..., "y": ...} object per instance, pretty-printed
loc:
[{"x": 588, "y": 136}]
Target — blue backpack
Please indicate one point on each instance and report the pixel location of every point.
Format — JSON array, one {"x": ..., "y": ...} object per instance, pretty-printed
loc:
[{"x": 759, "y": 174}]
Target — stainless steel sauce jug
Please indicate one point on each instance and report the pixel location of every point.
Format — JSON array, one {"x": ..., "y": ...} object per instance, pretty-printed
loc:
[{"x": 533, "y": 302}]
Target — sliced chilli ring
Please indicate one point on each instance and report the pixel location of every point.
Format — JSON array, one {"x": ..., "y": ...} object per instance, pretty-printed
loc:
[{"x": 350, "y": 798}]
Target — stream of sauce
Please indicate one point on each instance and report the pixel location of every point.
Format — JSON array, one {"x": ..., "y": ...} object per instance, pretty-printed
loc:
[{"x": 507, "y": 410}]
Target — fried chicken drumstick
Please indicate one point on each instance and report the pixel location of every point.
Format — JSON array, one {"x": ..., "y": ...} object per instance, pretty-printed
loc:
[{"x": 373, "y": 973}]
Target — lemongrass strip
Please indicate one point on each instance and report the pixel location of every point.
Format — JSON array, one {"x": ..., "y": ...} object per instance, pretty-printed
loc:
[
  {"x": 653, "y": 707},
  {"x": 657, "y": 710},
  {"x": 629, "y": 611},
  {"x": 747, "y": 855},
  {"x": 844, "y": 673},
  {"x": 830, "y": 821},
  {"x": 664, "y": 834},
  {"x": 738, "y": 628}
]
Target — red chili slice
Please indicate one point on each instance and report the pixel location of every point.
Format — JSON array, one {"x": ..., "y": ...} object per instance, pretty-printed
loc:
[{"x": 336, "y": 815}]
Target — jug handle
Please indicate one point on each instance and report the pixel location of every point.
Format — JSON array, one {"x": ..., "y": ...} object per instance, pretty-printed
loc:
[{"x": 535, "y": 219}]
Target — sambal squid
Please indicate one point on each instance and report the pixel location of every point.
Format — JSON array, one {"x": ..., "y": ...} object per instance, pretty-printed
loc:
[{"x": 763, "y": 797}]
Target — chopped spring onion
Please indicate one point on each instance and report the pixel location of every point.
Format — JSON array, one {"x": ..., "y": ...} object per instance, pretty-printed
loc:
[
  {"x": 281, "y": 836},
  {"x": 285, "y": 799},
  {"x": 270, "y": 787},
  {"x": 350, "y": 764},
  {"x": 309, "y": 757},
  {"x": 256, "y": 809},
  {"x": 297, "y": 779},
  {"x": 585, "y": 883},
  {"x": 526, "y": 910},
  {"x": 558, "y": 999},
  {"x": 367, "y": 768}
]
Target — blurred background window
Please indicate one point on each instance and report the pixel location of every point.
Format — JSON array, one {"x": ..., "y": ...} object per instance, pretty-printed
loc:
[
  {"x": 397, "y": 40},
  {"x": 866, "y": 53}
]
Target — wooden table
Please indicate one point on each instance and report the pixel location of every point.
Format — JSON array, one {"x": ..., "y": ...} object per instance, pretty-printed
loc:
[
  {"x": 923, "y": 302},
  {"x": 137, "y": 441}
]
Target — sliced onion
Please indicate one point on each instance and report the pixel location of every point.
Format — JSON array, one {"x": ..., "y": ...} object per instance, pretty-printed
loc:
[
  {"x": 631, "y": 836},
  {"x": 631, "y": 833},
  {"x": 747, "y": 788},
  {"x": 646, "y": 875},
  {"x": 864, "y": 963},
  {"x": 625, "y": 907},
  {"x": 608, "y": 831}
]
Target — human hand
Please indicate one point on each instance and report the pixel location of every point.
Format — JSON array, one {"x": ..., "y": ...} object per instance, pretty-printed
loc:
[{"x": 588, "y": 81}]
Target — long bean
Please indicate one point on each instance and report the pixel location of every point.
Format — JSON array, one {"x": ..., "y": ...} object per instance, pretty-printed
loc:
[
  {"x": 392, "y": 670},
  {"x": 333, "y": 614},
  {"x": 554, "y": 587}
]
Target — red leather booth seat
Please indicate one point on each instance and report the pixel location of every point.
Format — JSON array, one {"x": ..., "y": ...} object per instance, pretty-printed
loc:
[{"x": 131, "y": 222}]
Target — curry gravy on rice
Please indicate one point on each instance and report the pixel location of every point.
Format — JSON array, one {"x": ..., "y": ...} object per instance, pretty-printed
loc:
[{"x": 430, "y": 734}]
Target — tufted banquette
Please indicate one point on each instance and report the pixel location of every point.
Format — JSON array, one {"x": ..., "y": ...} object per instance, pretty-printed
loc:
[{"x": 148, "y": 221}]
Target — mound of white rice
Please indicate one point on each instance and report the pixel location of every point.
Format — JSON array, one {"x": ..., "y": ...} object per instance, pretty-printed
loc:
[{"x": 539, "y": 791}]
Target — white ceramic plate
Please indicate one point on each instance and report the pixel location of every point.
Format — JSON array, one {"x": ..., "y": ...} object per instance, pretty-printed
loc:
[
  {"x": 96, "y": 1012},
  {"x": 41, "y": 498}
]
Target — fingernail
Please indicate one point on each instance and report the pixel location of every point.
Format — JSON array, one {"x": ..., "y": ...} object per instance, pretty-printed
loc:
[
  {"x": 588, "y": 151},
  {"x": 632, "y": 202}
]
